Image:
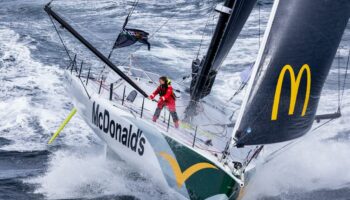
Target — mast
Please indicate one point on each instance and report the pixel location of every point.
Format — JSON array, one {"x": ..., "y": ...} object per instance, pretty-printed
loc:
[
  {"x": 233, "y": 15},
  {"x": 206, "y": 67},
  {"x": 93, "y": 49}
]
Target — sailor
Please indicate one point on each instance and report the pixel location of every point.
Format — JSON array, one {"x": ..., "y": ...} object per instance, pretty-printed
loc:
[{"x": 167, "y": 98}]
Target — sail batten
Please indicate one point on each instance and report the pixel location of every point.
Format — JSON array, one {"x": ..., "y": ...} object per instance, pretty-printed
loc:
[{"x": 299, "y": 46}]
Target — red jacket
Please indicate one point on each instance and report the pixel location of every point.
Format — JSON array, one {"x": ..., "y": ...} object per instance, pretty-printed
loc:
[{"x": 167, "y": 96}]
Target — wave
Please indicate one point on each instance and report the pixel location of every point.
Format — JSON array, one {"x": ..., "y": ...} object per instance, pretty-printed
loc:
[
  {"x": 90, "y": 174},
  {"x": 33, "y": 103}
]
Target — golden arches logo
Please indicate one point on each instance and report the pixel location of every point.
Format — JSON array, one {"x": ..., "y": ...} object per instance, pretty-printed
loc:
[
  {"x": 180, "y": 176},
  {"x": 295, "y": 83}
]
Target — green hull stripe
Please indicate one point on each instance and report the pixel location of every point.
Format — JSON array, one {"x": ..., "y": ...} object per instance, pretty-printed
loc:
[{"x": 204, "y": 183}]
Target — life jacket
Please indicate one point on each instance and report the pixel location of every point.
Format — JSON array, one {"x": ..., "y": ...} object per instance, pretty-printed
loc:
[{"x": 164, "y": 88}]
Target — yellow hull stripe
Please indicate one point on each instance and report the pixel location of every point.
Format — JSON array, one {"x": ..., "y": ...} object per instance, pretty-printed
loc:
[{"x": 181, "y": 177}]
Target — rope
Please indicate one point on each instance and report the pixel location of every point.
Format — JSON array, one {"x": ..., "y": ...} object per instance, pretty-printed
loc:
[
  {"x": 259, "y": 22},
  {"x": 127, "y": 18},
  {"x": 152, "y": 35},
  {"x": 239, "y": 90},
  {"x": 205, "y": 27},
  {"x": 161, "y": 26},
  {"x": 212, "y": 151},
  {"x": 290, "y": 144},
  {"x": 59, "y": 35},
  {"x": 241, "y": 87},
  {"x": 136, "y": 2},
  {"x": 339, "y": 81},
  {"x": 344, "y": 82},
  {"x": 255, "y": 155}
]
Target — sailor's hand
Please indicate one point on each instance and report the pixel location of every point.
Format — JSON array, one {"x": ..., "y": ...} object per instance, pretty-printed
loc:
[{"x": 161, "y": 99}]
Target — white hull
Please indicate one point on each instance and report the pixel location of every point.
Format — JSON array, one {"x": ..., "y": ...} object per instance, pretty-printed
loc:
[{"x": 145, "y": 146}]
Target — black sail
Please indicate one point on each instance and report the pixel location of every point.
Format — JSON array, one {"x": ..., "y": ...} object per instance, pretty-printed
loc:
[
  {"x": 227, "y": 30},
  {"x": 239, "y": 16},
  {"x": 300, "y": 43}
]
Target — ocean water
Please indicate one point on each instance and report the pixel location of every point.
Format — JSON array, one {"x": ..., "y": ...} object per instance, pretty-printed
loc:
[{"x": 33, "y": 102}]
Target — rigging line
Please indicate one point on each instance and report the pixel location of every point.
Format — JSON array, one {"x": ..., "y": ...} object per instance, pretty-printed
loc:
[
  {"x": 322, "y": 124},
  {"x": 136, "y": 2},
  {"x": 205, "y": 27},
  {"x": 213, "y": 26},
  {"x": 61, "y": 39},
  {"x": 81, "y": 27},
  {"x": 259, "y": 22},
  {"x": 112, "y": 50},
  {"x": 201, "y": 42},
  {"x": 157, "y": 30},
  {"x": 77, "y": 25},
  {"x": 240, "y": 88},
  {"x": 344, "y": 83},
  {"x": 162, "y": 26},
  {"x": 276, "y": 153},
  {"x": 215, "y": 134},
  {"x": 242, "y": 153},
  {"x": 255, "y": 155},
  {"x": 339, "y": 81},
  {"x": 207, "y": 149},
  {"x": 151, "y": 36}
]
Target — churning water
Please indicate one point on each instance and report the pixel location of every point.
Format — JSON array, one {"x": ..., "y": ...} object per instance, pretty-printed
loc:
[{"x": 33, "y": 102}]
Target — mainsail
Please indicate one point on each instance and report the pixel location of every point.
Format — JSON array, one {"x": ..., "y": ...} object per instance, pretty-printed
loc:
[
  {"x": 234, "y": 14},
  {"x": 299, "y": 46}
]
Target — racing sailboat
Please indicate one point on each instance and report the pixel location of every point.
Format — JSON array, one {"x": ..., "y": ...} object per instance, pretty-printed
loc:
[{"x": 198, "y": 160}]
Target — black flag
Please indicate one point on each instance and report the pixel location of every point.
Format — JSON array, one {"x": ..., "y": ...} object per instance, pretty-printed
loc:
[{"x": 130, "y": 36}]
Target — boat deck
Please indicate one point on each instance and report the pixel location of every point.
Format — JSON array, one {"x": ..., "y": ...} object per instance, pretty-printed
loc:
[{"x": 209, "y": 131}]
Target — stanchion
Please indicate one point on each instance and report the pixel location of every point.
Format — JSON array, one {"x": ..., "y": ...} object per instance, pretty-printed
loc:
[
  {"x": 99, "y": 90},
  {"x": 143, "y": 104},
  {"x": 168, "y": 123},
  {"x": 111, "y": 92},
  {"x": 88, "y": 76},
  {"x": 195, "y": 135},
  {"x": 81, "y": 67},
  {"x": 123, "y": 95}
]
